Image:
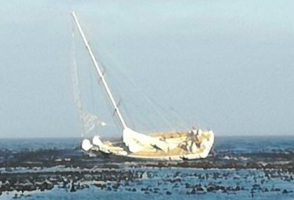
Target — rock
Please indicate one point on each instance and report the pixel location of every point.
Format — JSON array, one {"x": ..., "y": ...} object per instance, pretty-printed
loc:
[
  {"x": 72, "y": 189},
  {"x": 210, "y": 189},
  {"x": 116, "y": 186},
  {"x": 193, "y": 191},
  {"x": 285, "y": 191}
]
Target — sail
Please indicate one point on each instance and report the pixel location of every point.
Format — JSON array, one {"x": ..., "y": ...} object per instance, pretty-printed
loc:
[
  {"x": 138, "y": 141},
  {"x": 88, "y": 120}
]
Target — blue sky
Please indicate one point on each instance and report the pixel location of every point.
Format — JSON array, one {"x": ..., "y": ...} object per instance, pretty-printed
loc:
[{"x": 225, "y": 65}]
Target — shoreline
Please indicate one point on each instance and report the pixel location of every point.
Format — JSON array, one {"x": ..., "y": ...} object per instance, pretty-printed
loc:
[{"x": 71, "y": 169}]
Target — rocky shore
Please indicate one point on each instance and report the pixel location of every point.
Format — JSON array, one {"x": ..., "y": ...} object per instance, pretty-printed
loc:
[
  {"x": 72, "y": 170},
  {"x": 76, "y": 158}
]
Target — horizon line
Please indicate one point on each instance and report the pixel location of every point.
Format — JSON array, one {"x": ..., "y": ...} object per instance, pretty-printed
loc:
[{"x": 113, "y": 137}]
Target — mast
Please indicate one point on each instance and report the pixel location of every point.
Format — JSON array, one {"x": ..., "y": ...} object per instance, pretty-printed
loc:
[{"x": 99, "y": 71}]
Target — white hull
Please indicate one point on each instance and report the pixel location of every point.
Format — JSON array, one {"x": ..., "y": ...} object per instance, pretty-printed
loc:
[{"x": 187, "y": 146}]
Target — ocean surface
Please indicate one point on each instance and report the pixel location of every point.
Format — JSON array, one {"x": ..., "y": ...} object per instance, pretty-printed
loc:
[
  {"x": 162, "y": 182},
  {"x": 222, "y": 144}
]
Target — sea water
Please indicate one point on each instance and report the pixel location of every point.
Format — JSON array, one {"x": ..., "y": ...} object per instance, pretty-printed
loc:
[{"x": 174, "y": 183}]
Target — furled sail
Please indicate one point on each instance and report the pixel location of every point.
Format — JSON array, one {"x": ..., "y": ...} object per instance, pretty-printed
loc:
[{"x": 138, "y": 141}]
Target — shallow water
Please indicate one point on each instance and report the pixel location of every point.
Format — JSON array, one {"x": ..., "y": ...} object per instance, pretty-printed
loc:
[
  {"x": 181, "y": 184},
  {"x": 155, "y": 181}
]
